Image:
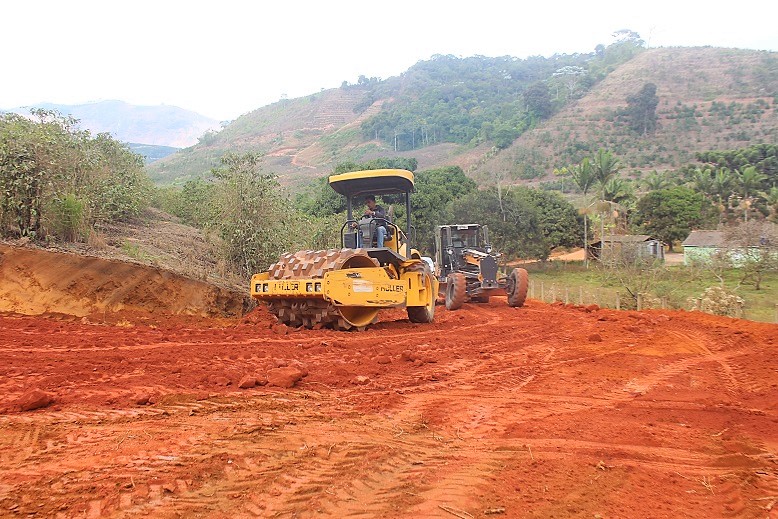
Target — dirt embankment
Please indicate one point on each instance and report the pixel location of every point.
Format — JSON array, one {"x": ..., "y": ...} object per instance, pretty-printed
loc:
[
  {"x": 34, "y": 282},
  {"x": 490, "y": 411}
]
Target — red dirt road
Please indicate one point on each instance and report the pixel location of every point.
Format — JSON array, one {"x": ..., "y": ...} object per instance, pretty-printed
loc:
[{"x": 541, "y": 411}]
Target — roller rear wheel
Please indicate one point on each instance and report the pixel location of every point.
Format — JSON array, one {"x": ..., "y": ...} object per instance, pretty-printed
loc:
[{"x": 426, "y": 313}]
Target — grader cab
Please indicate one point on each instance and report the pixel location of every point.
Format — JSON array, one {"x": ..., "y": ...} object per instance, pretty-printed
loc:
[
  {"x": 345, "y": 288},
  {"x": 468, "y": 269}
]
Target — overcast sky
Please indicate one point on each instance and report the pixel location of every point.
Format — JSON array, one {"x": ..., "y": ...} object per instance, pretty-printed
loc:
[{"x": 224, "y": 58}]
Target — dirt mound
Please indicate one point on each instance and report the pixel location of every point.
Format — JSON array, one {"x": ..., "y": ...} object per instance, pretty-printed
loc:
[{"x": 34, "y": 282}]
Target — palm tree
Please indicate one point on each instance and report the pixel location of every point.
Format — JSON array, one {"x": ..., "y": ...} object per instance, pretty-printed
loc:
[
  {"x": 583, "y": 176},
  {"x": 618, "y": 190},
  {"x": 702, "y": 181},
  {"x": 605, "y": 166},
  {"x": 656, "y": 181},
  {"x": 749, "y": 181},
  {"x": 722, "y": 184}
]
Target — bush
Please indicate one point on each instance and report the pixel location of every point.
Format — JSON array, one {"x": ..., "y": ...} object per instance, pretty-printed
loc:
[
  {"x": 718, "y": 301},
  {"x": 58, "y": 179}
]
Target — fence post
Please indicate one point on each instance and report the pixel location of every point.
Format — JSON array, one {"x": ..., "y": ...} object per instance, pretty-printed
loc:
[
  {"x": 580, "y": 296},
  {"x": 776, "y": 313},
  {"x": 618, "y": 301},
  {"x": 532, "y": 289},
  {"x": 542, "y": 292},
  {"x": 640, "y": 302},
  {"x": 567, "y": 295}
]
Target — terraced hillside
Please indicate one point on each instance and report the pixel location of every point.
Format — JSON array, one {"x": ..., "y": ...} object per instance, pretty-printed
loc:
[{"x": 710, "y": 98}]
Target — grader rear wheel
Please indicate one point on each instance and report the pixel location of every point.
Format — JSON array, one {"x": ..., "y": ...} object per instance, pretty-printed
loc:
[
  {"x": 313, "y": 312},
  {"x": 518, "y": 282},
  {"x": 456, "y": 290}
]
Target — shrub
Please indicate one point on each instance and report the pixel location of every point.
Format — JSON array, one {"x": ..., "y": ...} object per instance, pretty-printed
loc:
[
  {"x": 58, "y": 179},
  {"x": 718, "y": 301}
]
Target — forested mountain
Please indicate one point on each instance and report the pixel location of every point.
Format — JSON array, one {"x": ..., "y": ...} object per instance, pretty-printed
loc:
[
  {"x": 148, "y": 125},
  {"x": 513, "y": 119}
]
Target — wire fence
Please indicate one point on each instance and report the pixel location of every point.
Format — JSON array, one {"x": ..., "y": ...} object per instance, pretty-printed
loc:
[{"x": 555, "y": 293}]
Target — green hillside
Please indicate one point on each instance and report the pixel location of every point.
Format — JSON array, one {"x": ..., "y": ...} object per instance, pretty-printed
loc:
[{"x": 513, "y": 118}]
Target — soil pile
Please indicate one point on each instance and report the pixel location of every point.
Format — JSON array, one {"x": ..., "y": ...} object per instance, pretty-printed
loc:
[{"x": 34, "y": 282}]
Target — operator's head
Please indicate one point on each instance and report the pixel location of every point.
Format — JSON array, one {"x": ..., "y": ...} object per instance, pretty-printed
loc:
[{"x": 370, "y": 201}]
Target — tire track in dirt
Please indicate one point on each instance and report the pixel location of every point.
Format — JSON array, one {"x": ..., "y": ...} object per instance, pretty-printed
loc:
[
  {"x": 85, "y": 444},
  {"x": 659, "y": 458},
  {"x": 493, "y": 391},
  {"x": 16, "y": 446}
]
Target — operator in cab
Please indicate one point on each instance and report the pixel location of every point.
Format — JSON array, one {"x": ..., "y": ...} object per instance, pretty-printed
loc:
[{"x": 373, "y": 211}]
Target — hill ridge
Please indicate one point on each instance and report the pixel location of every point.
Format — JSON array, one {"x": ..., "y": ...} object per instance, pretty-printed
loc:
[
  {"x": 304, "y": 138},
  {"x": 161, "y": 125}
]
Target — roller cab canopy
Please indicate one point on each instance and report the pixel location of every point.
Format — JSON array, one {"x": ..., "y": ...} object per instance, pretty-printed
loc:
[{"x": 374, "y": 181}]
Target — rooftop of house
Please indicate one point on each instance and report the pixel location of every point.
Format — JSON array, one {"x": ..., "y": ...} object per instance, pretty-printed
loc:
[{"x": 704, "y": 239}]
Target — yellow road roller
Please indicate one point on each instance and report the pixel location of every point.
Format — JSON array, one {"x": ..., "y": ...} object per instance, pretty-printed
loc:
[{"x": 345, "y": 288}]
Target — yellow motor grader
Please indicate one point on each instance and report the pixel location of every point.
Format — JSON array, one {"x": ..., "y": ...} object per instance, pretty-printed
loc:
[
  {"x": 467, "y": 268},
  {"x": 345, "y": 288}
]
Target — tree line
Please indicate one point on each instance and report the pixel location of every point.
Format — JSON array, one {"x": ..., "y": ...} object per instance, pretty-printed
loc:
[
  {"x": 726, "y": 188},
  {"x": 60, "y": 183},
  {"x": 256, "y": 220}
]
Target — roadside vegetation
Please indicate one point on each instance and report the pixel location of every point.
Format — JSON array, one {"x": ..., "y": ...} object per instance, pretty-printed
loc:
[
  {"x": 58, "y": 182},
  {"x": 256, "y": 221}
]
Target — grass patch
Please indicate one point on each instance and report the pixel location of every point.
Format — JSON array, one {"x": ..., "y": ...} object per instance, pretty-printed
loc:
[
  {"x": 134, "y": 251},
  {"x": 572, "y": 282}
]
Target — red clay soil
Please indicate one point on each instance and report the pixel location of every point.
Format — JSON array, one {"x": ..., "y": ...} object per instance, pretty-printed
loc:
[{"x": 540, "y": 411}]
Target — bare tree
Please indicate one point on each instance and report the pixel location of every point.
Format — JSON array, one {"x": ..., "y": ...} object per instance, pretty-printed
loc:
[{"x": 570, "y": 76}]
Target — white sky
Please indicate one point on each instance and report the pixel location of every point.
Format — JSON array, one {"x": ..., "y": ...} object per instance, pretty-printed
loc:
[{"x": 223, "y": 58}]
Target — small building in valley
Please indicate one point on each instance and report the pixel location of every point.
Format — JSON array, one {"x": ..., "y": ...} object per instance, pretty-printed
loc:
[
  {"x": 701, "y": 246},
  {"x": 626, "y": 247}
]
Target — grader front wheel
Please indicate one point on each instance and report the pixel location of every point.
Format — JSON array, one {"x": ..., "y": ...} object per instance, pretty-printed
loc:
[
  {"x": 456, "y": 290},
  {"x": 518, "y": 282}
]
